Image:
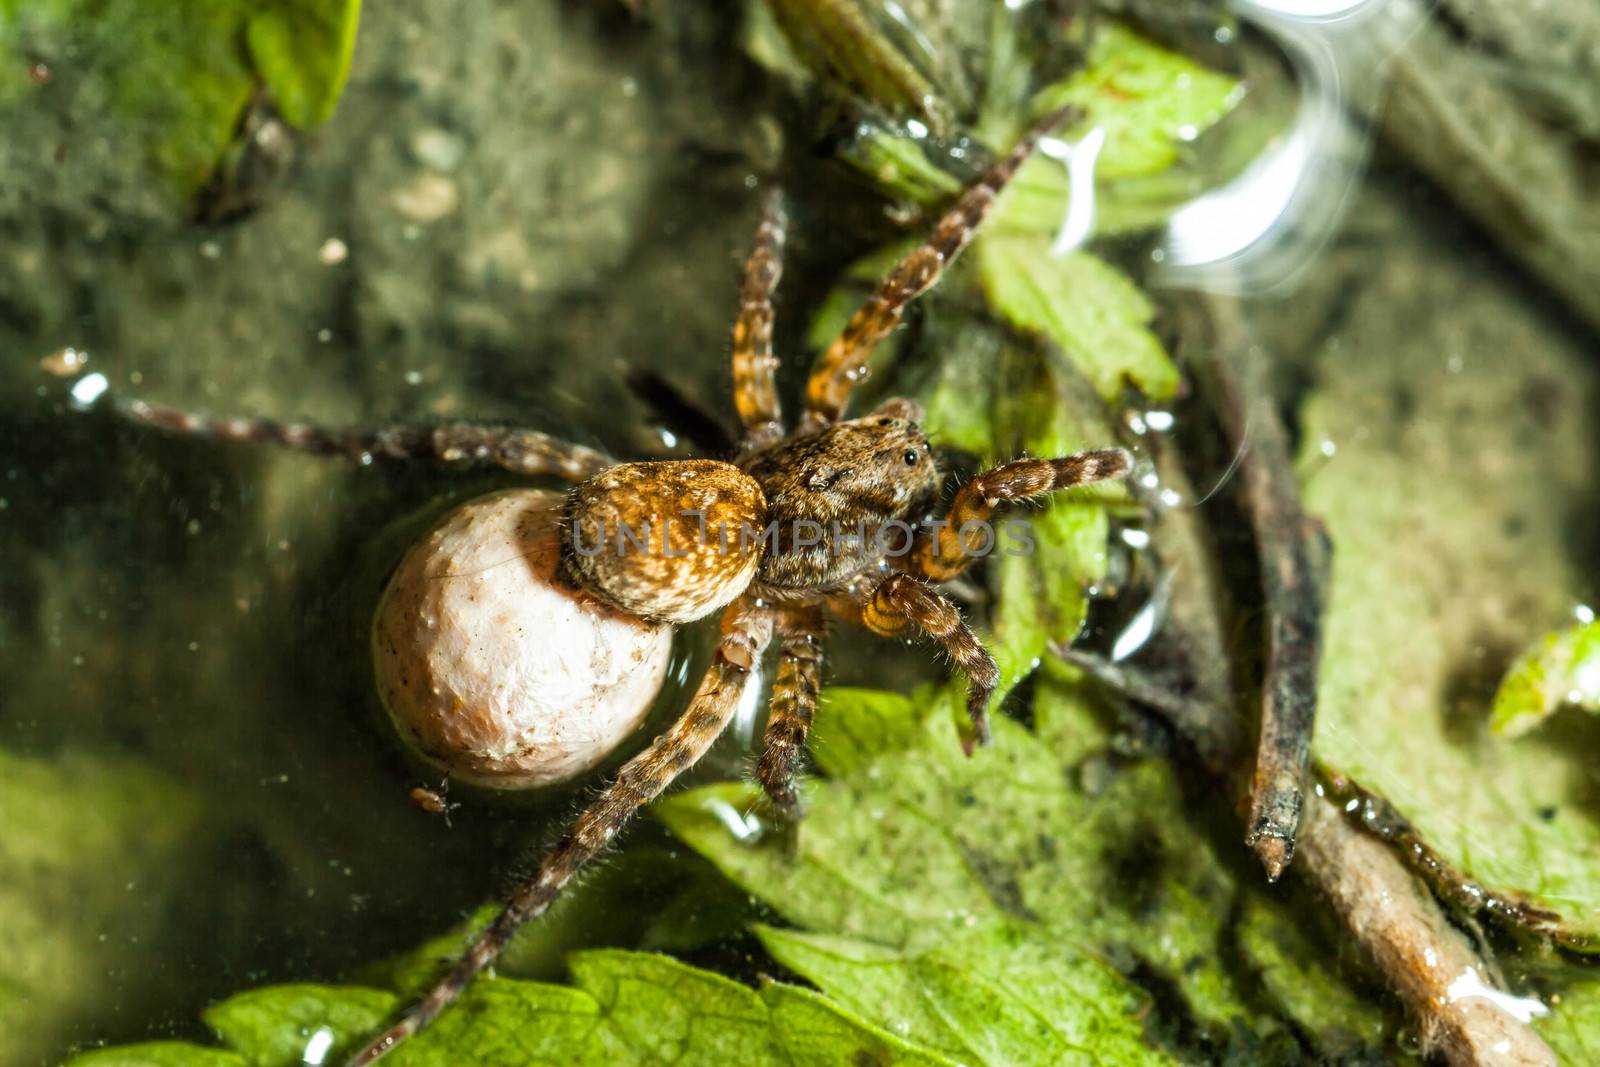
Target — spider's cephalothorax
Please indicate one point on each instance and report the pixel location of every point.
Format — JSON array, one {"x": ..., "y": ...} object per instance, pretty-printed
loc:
[{"x": 824, "y": 518}]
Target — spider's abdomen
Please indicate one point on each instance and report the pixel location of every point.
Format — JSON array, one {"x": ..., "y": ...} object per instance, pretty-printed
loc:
[{"x": 670, "y": 540}]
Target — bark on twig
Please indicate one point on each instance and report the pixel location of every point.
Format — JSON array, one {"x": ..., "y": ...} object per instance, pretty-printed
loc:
[{"x": 1294, "y": 556}]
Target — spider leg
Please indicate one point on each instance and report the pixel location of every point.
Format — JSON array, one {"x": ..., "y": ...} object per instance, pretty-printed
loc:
[
  {"x": 679, "y": 414},
  {"x": 954, "y": 544},
  {"x": 755, "y": 392},
  {"x": 842, "y": 365},
  {"x": 900, "y": 603},
  {"x": 794, "y": 703},
  {"x": 457, "y": 444},
  {"x": 746, "y": 629}
]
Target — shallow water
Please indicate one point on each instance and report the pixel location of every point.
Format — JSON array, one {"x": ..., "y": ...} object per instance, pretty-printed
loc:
[{"x": 530, "y": 198}]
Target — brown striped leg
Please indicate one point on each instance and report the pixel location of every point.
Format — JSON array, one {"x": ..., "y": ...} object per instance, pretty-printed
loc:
[
  {"x": 746, "y": 629},
  {"x": 794, "y": 702},
  {"x": 755, "y": 392},
  {"x": 900, "y": 603},
  {"x": 457, "y": 444},
  {"x": 842, "y": 365},
  {"x": 954, "y": 544}
]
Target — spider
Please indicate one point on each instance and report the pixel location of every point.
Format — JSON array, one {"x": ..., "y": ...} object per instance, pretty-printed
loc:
[{"x": 812, "y": 488}]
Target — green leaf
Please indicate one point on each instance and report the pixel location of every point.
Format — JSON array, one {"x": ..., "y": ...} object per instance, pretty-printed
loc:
[
  {"x": 273, "y": 1025},
  {"x": 622, "y": 1008},
  {"x": 1098, "y": 318},
  {"x": 177, "y": 77},
  {"x": 1449, "y": 558},
  {"x": 1045, "y": 1003},
  {"x": 1573, "y": 1026},
  {"x": 157, "y": 1054},
  {"x": 1148, "y": 100},
  {"x": 1561, "y": 668},
  {"x": 302, "y": 49},
  {"x": 928, "y": 888}
]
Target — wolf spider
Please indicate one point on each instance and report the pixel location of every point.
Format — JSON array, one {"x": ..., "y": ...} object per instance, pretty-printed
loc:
[{"x": 828, "y": 471}]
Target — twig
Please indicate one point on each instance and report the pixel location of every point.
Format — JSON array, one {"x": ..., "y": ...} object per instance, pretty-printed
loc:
[
  {"x": 1294, "y": 555},
  {"x": 1429, "y": 963},
  {"x": 1380, "y": 819}
]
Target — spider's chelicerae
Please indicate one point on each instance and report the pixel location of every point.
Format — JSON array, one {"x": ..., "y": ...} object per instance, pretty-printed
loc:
[{"x": 828, "y": 474}]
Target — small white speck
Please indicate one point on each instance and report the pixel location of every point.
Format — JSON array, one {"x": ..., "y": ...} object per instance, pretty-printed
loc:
[
  {"x": 89, "y": 388},
  {"x": 1454, "y": 364},
  {"x": 1223, "y": 35},
  {"x": 1188, "y": 132},
  {"x": 1583, "y": 612},
  {"x": 1135, "y": 538},
  {"x": 916, "y": 128},
  {"x": 333, "y": 251},
  {"x": 210, "y": 249},
  {"x": 1158, "y": 255},
  {"x": 1351, "y": 804},
  {"x": 1327, "y": 448},
  {"x": 194, "y": 646},
  {"x": 1171, "y": 498},
  {"x": 630, "y": 87},
  {"x": 413, "y": 377},
  {"x": 1159, "y": 421},
  {"x": 324, "y": 335},
  {"x": 1149, "y": 480}
]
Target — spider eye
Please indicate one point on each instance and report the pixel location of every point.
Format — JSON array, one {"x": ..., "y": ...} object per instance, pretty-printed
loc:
[{"x": 910, "y": 457}]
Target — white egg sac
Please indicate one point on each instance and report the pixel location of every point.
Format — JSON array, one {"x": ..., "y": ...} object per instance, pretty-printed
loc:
[{"x": 495, "y": 672}]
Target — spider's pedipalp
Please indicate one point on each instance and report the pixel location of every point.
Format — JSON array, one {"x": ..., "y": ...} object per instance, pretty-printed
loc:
[
  {"x": 801, "y": 632},
  {"x": 747, "y": 629},
  {"x": 460, "y": 444},
  {"x": 946, "y": 553},
  {"x": 755, "y": 392},
  {"x": 901, "y": 603},
  {"x": 842, "y": 365}
]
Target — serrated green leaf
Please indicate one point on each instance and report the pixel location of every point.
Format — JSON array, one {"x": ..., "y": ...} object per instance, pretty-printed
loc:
[
  {"x": 1561, "y": 668},
  {"x": 1091, "y": 311},
  {"x": 1148, "y": 100},
  {"x": 623, "y": 1008},
  {"x": 914, "y": 856},
  {"x": 1044, "y": 1003}
]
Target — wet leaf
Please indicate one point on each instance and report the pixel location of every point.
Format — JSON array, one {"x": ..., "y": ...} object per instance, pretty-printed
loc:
[
  {"x": 1149, "y": 101},
  {"x": 1449, "y": 559},
  {"x": 927, "y": 888},
  {"x": 1561, "y": 668},
  {"x": 622, "y": 1008},
  {"x": 182, "y": 74},
  {"x": 1098, "y": 318}
]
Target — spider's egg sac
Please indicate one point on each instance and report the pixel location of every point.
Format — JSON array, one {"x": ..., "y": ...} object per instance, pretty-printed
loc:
[
  {"x": 672, "y": 540},
  {"x": 496, "y": 671}
]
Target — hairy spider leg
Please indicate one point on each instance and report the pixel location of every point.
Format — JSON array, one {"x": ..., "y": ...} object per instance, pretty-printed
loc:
[
  {"x": 746, "y": 630},
  {"x": 900, "y": 603},
  {"x": 842, "y": 365},
  {"x": 953, "y": 546},
  {"x": 459, "y": 444},
  {"x": 755, "y": 391},
  {"x": 801, "y": 633}
]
